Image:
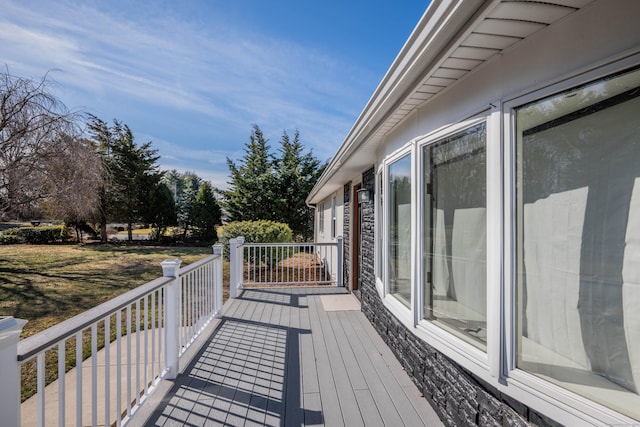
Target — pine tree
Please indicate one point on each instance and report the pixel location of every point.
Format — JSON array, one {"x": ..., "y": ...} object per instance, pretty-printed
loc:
[
  {"x": 129, "y": 171},
  {"x": 251, "y": 194},
  {"x": 266, "y": 188},
  {"x": 206, "y": 214},
  {"x": 185, "y": 187},
  {"x": 103, "y": 139},
  {"x": 297, "y": 173},
  {"x": 161, "y": 210}
]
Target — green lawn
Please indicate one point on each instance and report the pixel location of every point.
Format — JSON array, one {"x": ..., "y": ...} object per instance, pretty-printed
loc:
[{"x": 46, "y": 284}]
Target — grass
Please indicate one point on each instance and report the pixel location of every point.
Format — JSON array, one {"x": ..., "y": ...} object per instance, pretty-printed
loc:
[{"x": 46, "y": 284}]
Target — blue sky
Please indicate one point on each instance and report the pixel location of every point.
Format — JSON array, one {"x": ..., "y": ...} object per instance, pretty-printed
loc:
[{"x": 194, "y": 76}]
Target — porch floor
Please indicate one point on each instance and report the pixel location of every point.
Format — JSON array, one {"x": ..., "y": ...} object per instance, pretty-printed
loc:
[{"x": 278, "y": 358}]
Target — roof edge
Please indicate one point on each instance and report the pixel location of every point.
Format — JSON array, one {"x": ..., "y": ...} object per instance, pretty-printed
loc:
[{"x": 442, "y": 21}]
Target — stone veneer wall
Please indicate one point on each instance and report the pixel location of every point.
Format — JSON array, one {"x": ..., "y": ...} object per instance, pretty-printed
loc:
[
  {"x": 459, "y": 398},
  {"x": 346, "y": 241}
]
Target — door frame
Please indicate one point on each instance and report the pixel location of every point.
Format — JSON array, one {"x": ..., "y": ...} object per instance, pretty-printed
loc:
[{"x": 355, "y": 239}]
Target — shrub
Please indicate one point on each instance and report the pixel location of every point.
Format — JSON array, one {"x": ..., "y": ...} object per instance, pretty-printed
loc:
[
  {"x": 254, "y": 232},
  {"x": 35, "y": 235},
  {"x": 10, "y": 238}
]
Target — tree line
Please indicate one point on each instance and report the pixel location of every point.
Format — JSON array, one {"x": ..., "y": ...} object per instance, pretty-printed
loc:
[{"x": 86, "y": 171}]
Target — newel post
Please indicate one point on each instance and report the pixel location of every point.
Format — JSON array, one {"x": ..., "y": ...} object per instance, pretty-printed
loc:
[
  {"x": 235, "y": 257},
  {"x": 171, "y": 268},
  {"x": 217, "y": 279},
  {"x": 10, "y": 329}
]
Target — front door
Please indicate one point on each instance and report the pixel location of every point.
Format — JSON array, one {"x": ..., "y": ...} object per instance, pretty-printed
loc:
[{"x": 356, "y": 252}]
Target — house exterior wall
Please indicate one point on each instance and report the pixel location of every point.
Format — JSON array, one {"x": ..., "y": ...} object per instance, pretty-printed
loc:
[
  {"x": 462, "y": 390},
  {"x": 459, "y": 398},
  {"x": 323, "y": 213}
]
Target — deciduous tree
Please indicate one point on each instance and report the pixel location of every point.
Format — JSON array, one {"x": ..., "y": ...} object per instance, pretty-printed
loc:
[{"x": 34, "y": 124}]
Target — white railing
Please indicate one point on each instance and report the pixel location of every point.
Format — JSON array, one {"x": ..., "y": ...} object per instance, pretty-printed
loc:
[
  {"x": 109, "y": 359},
  {"x": 284, "y": 264}
]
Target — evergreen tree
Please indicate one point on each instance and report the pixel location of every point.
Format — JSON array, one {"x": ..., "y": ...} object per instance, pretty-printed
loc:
[
  {"x": 265, "y": 188},
  {"x": 128, "y": 172},
  {"x": 161, "y": 210},
  {"x": 297, "y": 173},
  {"x": 206, "y": 214},
  {"x": 136, "y": 171},
  {"x": 185, "y": 188},
  {"x": 103, "y": 139},
  {"x": 251, "y": 192}
]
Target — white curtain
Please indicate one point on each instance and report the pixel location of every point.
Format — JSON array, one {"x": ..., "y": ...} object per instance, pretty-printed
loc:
[
  {"x": 468, "y": 261},
  {"x": 553, "y": 230},
  {"x": 631, "y": 285}
]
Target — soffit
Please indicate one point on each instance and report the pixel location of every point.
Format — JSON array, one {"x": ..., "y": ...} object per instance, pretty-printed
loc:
[
  {"x": 484, "y": 33},
  {"x": 503, "y": 26}
]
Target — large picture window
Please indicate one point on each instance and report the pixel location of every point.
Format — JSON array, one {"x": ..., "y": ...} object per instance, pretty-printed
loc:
[
  {"x": 399, "y": 242},
  {"x": 455, "y": 234},
  {"x": 578, "y": 240}
]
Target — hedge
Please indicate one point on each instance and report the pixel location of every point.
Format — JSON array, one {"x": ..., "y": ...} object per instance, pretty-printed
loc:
[
  {"x": 35, "y": 235},
  {"x": 254, "y": 232}
]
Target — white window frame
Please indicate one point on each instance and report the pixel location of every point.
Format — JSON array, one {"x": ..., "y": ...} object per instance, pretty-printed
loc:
[
  {"x": 399, "y": 310},
  {"x": 484, "y": 364},
  {"x": 498, "y": 365},
  {"x": 554, "y": 400},
  {"x": 379, "y": 265},
  {"x": 321, "y": 219},
  {"x": 334, "y": 219}
]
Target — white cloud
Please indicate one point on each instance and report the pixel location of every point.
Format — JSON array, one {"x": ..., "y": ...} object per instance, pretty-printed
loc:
[{"x": 162, "y": 69}]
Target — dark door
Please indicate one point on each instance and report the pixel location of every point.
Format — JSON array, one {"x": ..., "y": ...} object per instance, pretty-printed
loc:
[{"x": 356, "y": 254}]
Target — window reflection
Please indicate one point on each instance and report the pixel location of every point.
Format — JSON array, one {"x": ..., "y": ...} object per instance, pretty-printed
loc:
[
  {"x": 578, "y": 240},
  {"x": 455, "y": 234},
  {"x": 399, "y": 246}
]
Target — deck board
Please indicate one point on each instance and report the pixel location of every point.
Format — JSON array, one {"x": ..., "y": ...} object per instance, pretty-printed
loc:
[{"x": 278, "y": 358}]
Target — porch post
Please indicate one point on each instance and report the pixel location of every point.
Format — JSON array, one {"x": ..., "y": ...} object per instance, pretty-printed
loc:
[
  {"x": 240, "y": 263},
  {"x": 171, "y": 268},
  {"x": 235, "y": 256},
  {"x": 10, "y": 329},
  {"x": 339, "y": 275},
  {"x": 217, "y": 279}
]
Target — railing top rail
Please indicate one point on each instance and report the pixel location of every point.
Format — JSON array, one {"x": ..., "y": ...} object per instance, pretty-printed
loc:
[
  {"x": 288, "y": 244},
  {"x": 41, "y": 341},
  {"x": 195, "y": 265}
]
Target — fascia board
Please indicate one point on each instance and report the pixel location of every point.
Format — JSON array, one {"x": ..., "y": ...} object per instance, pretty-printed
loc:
[{"x": 441, "y": 23}]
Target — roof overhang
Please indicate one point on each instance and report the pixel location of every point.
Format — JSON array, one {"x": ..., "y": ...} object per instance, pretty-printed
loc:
[{"x": 452, "y": 38}]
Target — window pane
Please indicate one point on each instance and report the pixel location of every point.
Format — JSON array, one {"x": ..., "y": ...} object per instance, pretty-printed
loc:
[
  {"x": 455, "y": 238},
  {"x": 578, "y": 240},
  {"x": 399, "y": 265}
]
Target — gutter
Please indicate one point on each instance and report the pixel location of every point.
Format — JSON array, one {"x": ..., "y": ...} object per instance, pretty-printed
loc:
[{"x": 441, "y": 23}]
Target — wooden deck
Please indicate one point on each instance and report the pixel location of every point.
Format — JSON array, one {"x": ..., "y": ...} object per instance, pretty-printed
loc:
[{"x": 278, "y": 358}]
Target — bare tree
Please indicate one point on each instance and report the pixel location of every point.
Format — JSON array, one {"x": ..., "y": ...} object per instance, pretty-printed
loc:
[
  {"x": 73, "y": 179},
  {"x": 34, "y": 125}
]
